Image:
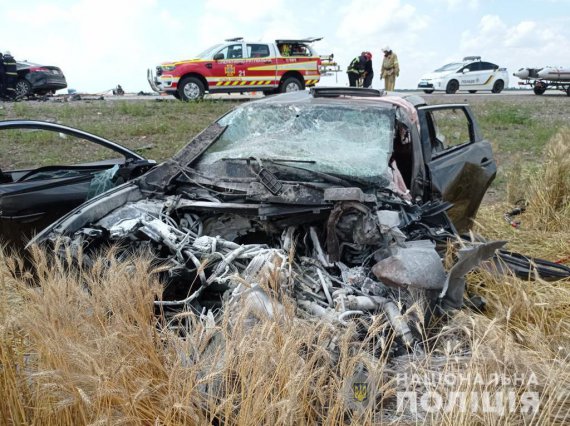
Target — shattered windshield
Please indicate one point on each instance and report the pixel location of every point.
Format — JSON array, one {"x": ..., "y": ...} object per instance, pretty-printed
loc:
[{"x": 351, "y": 141}]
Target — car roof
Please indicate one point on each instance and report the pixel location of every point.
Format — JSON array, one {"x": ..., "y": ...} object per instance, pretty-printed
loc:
[{"x": 306, "y": 97}]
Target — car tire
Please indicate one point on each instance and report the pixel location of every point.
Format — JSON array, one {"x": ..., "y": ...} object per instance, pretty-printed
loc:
[
  {"x": 473, "y": 91},
  {"x": 428, "y": 92},
  {"x": 568, "y": 91},
  {"x": 539, "y": 88},
  {"x": 176, "y": 95},
  {"x": 452, "y": 87},
  {"x": 291, "y": 84},
  {"x": 23, "y": 88},
  {"x": 498, "y": 86},
  {"x": 191, "y": 89}
]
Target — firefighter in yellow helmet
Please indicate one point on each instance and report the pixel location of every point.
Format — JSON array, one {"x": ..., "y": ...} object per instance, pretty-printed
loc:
[{"x": 390, "y": 69}]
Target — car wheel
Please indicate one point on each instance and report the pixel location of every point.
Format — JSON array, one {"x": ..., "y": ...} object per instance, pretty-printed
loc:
[
  {"x": 498, "y": 86},
  {"x": 428, "y": 91},
  {"x": 452, "y": 87},
  {"x": 23, "y": 88},
  {"x": 539, "y": 88},
  {"x": 291, "y": 84},
  {"x": 191, "y": 89},
  {"x": 473, "y": 91},
  {"x": 568, "y": 91},
  {"x": 176, "y": 95}
]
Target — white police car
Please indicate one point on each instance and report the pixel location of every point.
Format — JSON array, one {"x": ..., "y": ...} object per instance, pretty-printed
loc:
[{"x": 471, "y": 74}]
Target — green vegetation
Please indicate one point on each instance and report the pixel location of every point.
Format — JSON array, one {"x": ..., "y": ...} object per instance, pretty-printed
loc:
[{"x": 156, "y": 129}]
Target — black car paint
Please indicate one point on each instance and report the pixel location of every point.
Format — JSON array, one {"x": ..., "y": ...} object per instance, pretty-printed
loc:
[
  {"x": 28, "y": 206},
  {"x": 42, "y": 78}
]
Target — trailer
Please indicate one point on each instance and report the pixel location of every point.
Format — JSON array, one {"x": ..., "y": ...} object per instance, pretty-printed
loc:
[{"x": 543, "y": 79}]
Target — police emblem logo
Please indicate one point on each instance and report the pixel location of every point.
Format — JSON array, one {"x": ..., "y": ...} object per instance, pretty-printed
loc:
[
  {"x": 230, "y": 70},
  {"x": 360, "y": 391}
]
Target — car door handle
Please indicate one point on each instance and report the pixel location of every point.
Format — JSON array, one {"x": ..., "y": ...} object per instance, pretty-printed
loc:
[
  {"x": 209, "y": 65},
  {"x": 485, "y": 162}
]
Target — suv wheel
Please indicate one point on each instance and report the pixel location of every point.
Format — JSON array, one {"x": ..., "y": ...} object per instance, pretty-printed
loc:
[
  {"x": 452, "y": 87},
  {"x": 498, "y": 86},
  {"x": 191, "y": 89},
  {"x": 291, "y": 84}
]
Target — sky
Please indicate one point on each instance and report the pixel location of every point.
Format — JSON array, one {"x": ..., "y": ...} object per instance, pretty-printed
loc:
[{"x": 101, "y": 43}]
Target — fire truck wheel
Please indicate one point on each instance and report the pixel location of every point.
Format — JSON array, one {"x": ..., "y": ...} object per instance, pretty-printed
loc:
[
  {"x": 291, "y": 84},
  {"x": 191, "y": 89}
]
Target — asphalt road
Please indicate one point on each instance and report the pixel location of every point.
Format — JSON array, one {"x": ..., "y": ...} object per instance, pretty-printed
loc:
[
  {"x": 458, "y": 96},
  {"x": 463, "y": 96}
]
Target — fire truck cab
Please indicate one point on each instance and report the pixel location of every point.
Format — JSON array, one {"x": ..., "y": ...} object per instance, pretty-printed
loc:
[{"x": 240, "y": 66}]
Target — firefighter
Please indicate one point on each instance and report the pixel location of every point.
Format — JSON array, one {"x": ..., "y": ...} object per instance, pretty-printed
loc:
[
  {"x": 355, "y": 70},
  {"x": 390, "y": 69},
  {"x": 368, "y": 71},
  {"x": 2, "y": 72},
  {"x": 10, "y": 76}
]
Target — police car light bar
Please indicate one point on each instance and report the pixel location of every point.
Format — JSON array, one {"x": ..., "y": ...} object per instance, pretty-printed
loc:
[{"x": 472, "y": 58}]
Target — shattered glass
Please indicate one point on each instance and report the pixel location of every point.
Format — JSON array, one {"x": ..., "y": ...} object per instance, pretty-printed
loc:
[
  {"x": 312, "y": 133},
  {"x": 102, "y": 181}
]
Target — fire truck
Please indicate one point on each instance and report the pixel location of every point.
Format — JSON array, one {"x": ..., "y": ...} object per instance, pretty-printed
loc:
[{"x": 238, "y": 66}]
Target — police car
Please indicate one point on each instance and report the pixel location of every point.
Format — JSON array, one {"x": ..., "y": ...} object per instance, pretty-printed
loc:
[{"x": 471, "y": 74}]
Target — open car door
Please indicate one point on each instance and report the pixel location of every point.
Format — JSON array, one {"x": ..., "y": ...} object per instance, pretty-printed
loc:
[
  {"x": 459, "y": 162},
  {"x": 32, "y": 198}
]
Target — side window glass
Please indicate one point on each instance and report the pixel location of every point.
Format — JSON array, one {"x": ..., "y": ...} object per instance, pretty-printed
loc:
[
  {"x": 487, "y": 66},
  {"x": 233, "y": 51},
  {"x": 18, "y": 145},
  {"x": 475, "y": 66},
  {"x": 257, "y": 50},
  {"x": 449, "y": 128}
]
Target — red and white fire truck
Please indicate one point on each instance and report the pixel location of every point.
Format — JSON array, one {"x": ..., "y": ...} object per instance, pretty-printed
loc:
[{"x": 240, "y": 66}]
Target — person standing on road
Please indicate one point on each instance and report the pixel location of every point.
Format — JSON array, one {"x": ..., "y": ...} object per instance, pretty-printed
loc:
[
  {"x": 390, "y": 69},
  {"x": 356, "y": 70},
  {"x": 10, "y": 75},
  {"x": 368, "y": 71}
]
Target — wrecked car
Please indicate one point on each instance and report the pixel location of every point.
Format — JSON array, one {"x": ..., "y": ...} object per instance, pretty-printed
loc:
[
  {"x": 347, "y": 198},
  {"x": 33, "y": 198}
]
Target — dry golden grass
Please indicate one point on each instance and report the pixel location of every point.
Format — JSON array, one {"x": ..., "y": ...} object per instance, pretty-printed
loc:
[{"x": 85, "y": 347}]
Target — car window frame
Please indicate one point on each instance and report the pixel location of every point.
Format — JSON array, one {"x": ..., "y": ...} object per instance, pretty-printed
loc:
[
  {"x": 226, "y": 46},
  {"x": 428, "y": 130},
  {"x": 249, "y": 52}
]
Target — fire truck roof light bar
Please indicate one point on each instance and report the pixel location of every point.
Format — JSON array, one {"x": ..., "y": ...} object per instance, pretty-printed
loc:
[{"x": 303, "y": 40}]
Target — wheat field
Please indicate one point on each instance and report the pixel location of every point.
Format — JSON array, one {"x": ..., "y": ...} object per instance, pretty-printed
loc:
[{"x": 84, "y": 347}]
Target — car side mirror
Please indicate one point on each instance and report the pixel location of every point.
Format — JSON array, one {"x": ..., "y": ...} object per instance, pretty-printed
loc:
[
  {"x": 218, "y": 56},
  {"x": 465, "y": 70}
]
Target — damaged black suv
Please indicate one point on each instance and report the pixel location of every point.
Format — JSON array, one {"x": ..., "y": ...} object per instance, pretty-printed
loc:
[{"x": 349, "y": 195}]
